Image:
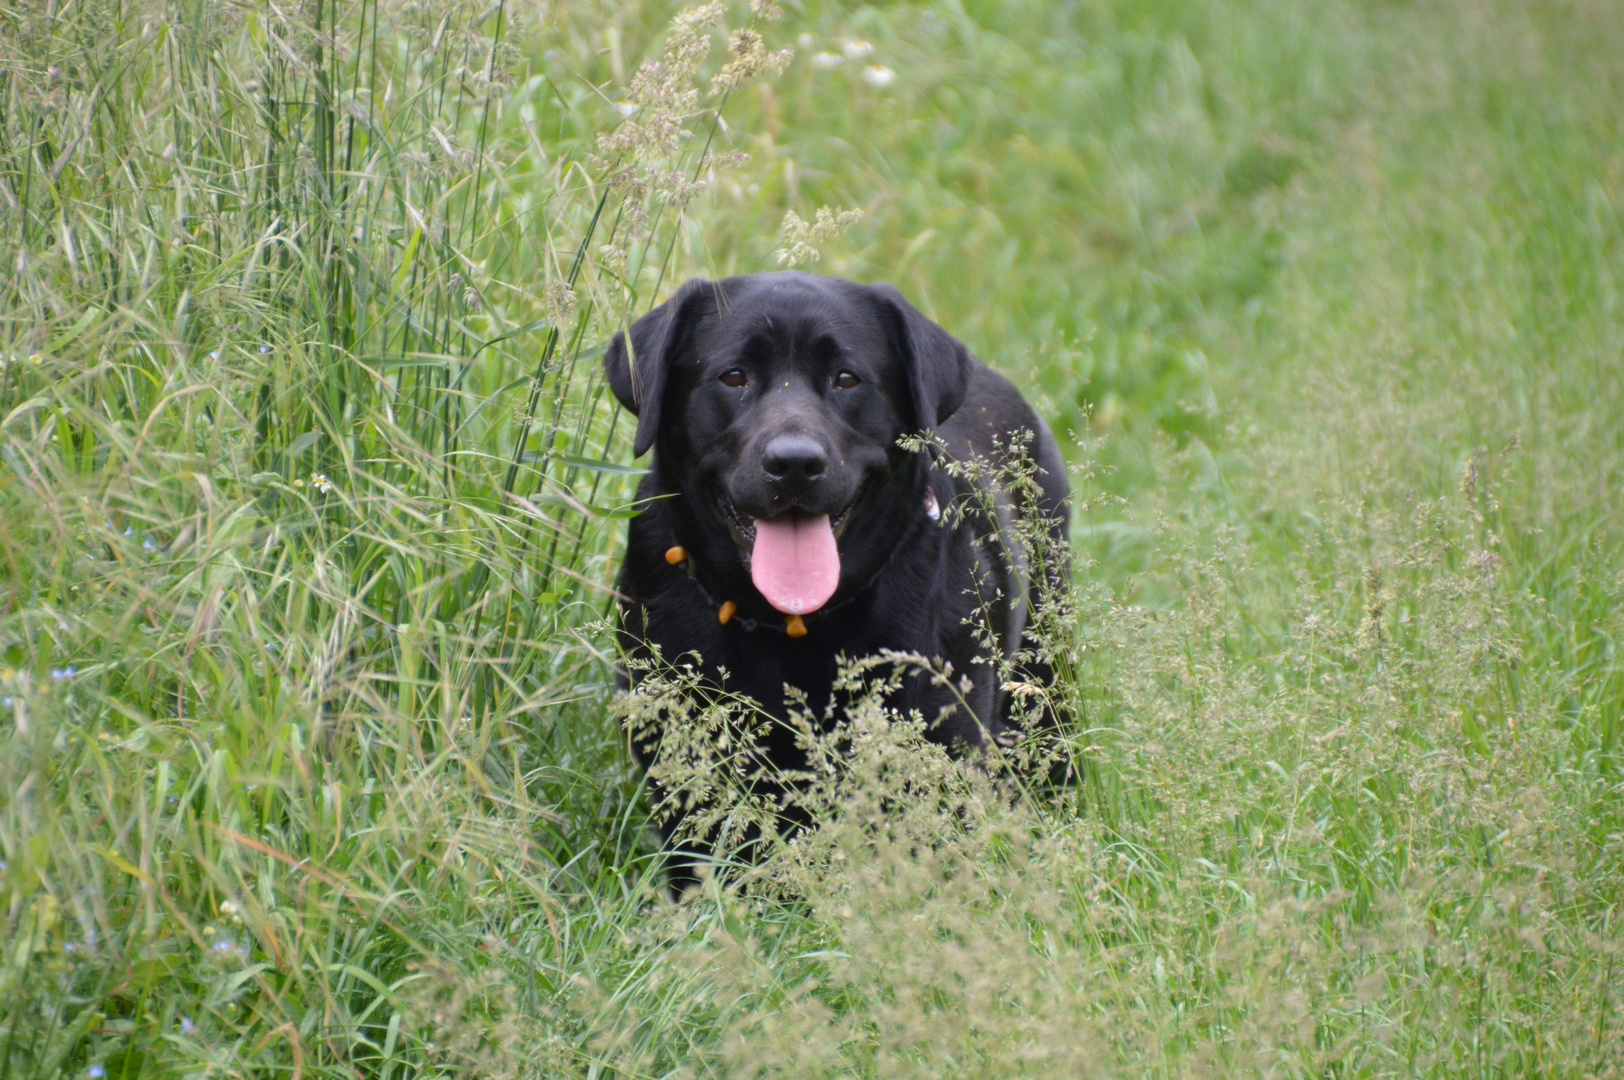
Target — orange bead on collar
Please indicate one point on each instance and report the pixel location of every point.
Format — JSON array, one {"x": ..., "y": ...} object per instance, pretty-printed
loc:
[{"x": 675, "y": 555}]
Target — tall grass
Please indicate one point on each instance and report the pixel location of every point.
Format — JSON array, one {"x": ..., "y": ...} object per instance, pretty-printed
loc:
[
  {"x": 308, "y": 496},
  {"x": 311, "y": 499}
]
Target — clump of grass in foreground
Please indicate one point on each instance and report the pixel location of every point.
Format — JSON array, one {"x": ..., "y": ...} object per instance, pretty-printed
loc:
[
  {"x": 1324, "y": 860},
  {"x": 307, "y": 493}
]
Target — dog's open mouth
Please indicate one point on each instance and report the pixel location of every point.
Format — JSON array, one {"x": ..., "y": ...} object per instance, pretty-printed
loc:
[
  {"x": 794, "y": 560},
  {"x": 745, "y": 526}
]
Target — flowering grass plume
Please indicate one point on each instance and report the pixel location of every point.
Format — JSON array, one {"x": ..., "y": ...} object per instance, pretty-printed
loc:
[{"x": 802, "y": 239}]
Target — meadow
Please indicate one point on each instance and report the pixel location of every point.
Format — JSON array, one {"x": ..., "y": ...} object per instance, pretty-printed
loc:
[{"x": 311, "y": 496}]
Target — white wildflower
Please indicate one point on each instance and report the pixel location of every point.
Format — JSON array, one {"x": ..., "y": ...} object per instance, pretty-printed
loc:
[{"x": 879, "y": 76}]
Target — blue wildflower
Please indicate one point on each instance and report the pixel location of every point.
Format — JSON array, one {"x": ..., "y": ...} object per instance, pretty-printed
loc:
[
  {"x": 263, "y": 349},
  {"x": 63, "y": 674},
  {"x": 97, "y": 1071},
  {"x": 186, "y": 1025},
  {"x": 148, "y": 546}
]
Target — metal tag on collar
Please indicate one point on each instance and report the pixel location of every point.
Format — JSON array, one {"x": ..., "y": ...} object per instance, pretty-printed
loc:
[{"x": 932, "y": 511}]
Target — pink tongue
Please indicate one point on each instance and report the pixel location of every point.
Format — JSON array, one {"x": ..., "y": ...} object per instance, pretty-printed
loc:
[{"x": 795, "y": 563}]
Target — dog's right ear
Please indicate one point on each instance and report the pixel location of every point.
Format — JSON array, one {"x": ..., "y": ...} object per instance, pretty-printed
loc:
[
  {"x": 938, "y": 364},
  {"x": 638, "y": 360}
]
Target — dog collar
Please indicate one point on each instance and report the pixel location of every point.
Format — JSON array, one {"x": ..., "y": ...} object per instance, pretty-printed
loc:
[
  {"x": 728, "y": 612},
  {"x": 793, "y": 626}
]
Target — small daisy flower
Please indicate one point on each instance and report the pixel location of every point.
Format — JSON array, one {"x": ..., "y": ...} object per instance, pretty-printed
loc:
[
  {"x": 827, "y": 60},
  {"x": 857, "y": 48},
  {"x": 879, "y": 76},
  {"x": 320, "y": 482}
]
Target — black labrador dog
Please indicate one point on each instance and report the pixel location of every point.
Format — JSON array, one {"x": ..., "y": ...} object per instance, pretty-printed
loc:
[{"x": 785, "y": 525}]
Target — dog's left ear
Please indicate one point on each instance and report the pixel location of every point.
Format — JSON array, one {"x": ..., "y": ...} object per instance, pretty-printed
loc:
[
  {"x": 639, "y": 359},
  {"x": 937, "y": 363}
]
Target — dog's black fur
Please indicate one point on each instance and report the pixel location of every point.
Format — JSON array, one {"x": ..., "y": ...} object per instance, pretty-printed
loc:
[{"x": 792, "y": 437}]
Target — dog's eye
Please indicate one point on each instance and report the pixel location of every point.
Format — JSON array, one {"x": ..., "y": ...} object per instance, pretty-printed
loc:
[
  {"x": 846, "y": 380},
  {"x": 734, "y": 378}
]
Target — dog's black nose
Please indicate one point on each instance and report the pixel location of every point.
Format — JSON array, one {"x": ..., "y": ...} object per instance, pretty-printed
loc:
[{"x": 794, "y": 457}]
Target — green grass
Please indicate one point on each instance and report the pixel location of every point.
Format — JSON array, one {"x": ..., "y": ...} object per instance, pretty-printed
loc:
[{"x": 310, "y": 494}]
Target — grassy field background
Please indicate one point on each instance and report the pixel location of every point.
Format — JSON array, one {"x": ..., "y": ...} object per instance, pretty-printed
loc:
[{"x": 310, "y": 492}]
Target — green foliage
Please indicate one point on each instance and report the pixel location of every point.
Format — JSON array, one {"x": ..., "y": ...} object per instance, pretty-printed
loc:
[{"x": 310, "y": 497}]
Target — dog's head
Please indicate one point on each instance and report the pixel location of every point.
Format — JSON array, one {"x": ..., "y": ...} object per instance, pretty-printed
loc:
[{"x": 775, "y": 402}]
